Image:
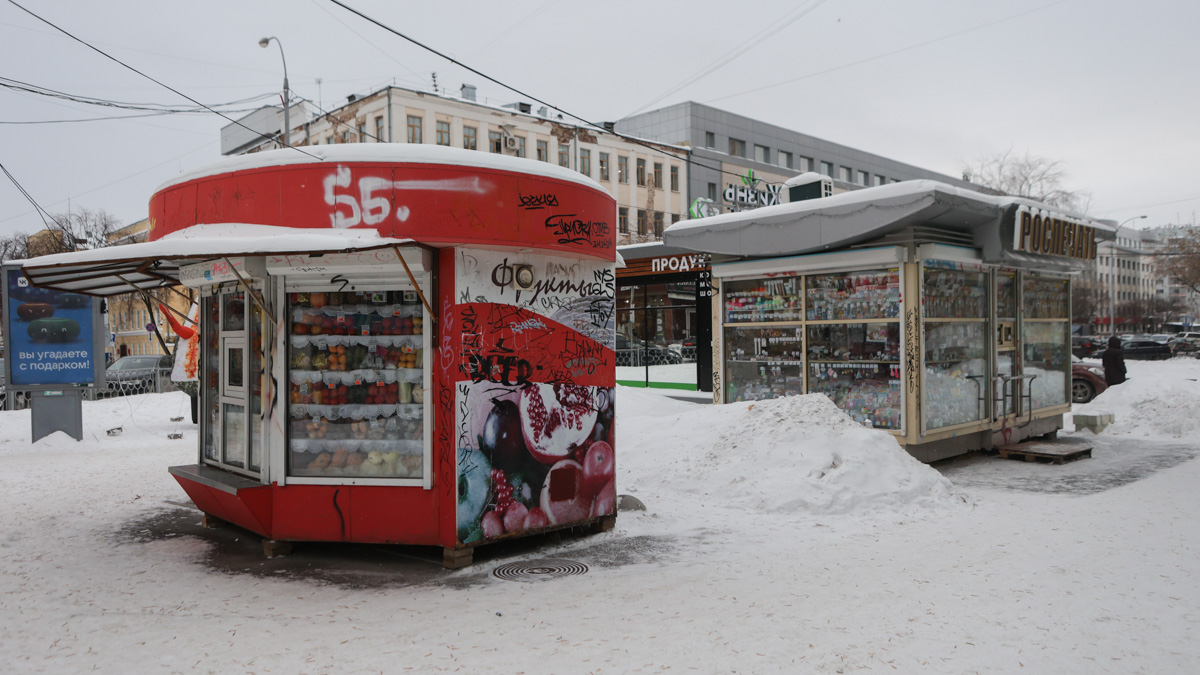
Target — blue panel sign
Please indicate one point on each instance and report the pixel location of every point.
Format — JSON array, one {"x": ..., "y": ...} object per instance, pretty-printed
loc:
[{"x": 50, "y": 334}]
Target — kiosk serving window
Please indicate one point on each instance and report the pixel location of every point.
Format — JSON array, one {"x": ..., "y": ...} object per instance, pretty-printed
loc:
[{"x": 357, "y": 376}]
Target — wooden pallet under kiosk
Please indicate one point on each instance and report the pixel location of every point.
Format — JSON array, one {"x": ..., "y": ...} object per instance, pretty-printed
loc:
[{"x": 1057, "y": 451}]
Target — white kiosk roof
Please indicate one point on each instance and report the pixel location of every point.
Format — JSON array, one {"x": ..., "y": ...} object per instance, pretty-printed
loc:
[
  {"x": 851, "y": 218},
  {"x": 154, "y": 264}
]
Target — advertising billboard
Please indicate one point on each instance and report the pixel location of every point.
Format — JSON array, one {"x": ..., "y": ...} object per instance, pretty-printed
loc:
[{"x": 51, "y": 337}]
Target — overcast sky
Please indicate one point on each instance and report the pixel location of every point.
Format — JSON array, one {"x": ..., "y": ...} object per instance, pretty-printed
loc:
[{"x": 1109, "y": 88}]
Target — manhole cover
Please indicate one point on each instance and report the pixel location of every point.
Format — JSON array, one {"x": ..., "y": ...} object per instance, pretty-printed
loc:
[{"x": 537, "y": 570}]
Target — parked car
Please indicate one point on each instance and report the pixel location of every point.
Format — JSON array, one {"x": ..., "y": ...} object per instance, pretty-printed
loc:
[
  {"x": 137, "y": 374},
  {"x": 1161, "y": 337},
  {"x": 633, "y": 351},
  {"x": 1087, "y": 381},
  {"x": 1145, "y": 350},
  {"x": 1086, "y": 345}
]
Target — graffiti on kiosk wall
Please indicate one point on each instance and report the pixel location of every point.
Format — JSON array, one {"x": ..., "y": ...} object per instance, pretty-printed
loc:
[
  {"x": 369, "y": 200},
  {"x": 578, "y": 294},
  {"x": 534, "y": 407}
]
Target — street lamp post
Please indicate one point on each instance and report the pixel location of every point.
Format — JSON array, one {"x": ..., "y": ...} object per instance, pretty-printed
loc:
[
  {"x": 1112, "y": 277},
  {"x": 287, "y": 102}
]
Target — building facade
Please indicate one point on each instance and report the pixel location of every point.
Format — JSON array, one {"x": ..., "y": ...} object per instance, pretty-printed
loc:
[
  {"x": 725, "y": 146},
  {"x": 648, "y": 180}
]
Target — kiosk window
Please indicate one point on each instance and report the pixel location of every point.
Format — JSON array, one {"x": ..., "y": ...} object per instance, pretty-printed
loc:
[{"x": 357, "y": 382}]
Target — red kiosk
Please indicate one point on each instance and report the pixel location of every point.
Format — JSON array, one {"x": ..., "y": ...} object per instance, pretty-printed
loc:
[{"x": 401, "y": 344}]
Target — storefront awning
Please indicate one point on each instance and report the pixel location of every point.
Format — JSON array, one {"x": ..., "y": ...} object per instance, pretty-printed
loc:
[{"x": 154, "y": 264}]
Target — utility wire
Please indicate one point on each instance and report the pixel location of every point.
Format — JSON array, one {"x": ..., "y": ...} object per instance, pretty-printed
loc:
[
  {"x": 120, "y": 117},
  {"x": 18, "y": 85},
  {"x": 165, "y": 86},
  {"x": 749, "y": 43},
  {"x": 40, "y": 211},
  {"x": 489, "y": 78}
]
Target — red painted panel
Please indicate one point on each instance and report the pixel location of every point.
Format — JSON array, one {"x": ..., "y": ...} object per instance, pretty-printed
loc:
[
  {"x": 249, "y": 509},
  {"x": 437, "y": 204},
  {"x": 445, "y": 369},
  {"x": 310, "y": 512},
  {"x": 391, "y": 515},
  {"x": 239, "y": 198}
]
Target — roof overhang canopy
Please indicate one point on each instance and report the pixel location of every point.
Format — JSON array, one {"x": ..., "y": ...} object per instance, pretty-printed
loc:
[
  {"x": 860, "y": 217},
  {"x": 155, "y": 264}
]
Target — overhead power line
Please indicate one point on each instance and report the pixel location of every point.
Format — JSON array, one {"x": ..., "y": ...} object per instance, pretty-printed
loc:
[
  {"x": 489, "y": 78},
  {"x": 135, "y": 70},
  {"x": 40, "y": 211}
]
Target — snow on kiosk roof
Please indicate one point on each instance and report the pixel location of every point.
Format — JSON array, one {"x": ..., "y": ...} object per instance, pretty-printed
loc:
[
  {"x": 154, "y": 264},
  {"x": 993, "y": 224}
]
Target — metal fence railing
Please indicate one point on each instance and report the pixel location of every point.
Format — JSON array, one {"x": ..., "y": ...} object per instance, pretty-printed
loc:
[{"x": 151, "y": 382}]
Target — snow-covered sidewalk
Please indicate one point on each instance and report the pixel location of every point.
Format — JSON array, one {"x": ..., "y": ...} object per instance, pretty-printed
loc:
[{"x": 779, "y": 537}]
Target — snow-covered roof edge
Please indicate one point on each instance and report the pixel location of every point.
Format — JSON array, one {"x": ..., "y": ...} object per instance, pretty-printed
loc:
[
  {"x": 397, "y": 153},
  {"x": 917, "y": 189}
]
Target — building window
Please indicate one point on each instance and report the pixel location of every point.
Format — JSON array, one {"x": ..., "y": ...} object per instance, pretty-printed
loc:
[
  {"x": 345, "y": 135},
  {"x": 414, "y": 129},
  {"x": 674, "y": 218},
  {"x": 623, "y": 220},
  {"x": 864, "y": 178},
  {"x": 737, "y": 148},
  {"x": 785, "y": 159},
  {"x": 845, "y": 174},
  {"x": 827, "y": 169},
  {"x": 762, "y": 154},
  {"x": 710, "y": 140},
  {"x": 543, "y": 151},
  {"x": 641, "y": 172},
  {"x": 564, "y": 155},
  {"x": 379, "y": 129},
  {"x": 712, "y": 191},
  {"x": 658, "y": 224},
  {"x": 329, "y": 140},
  {"x": 520, "y": 146},
  {"x": 495, "y": 142},
  {"x": 604, "y": 166},
  {"x": 362, "y": 133},
  {"x": 641, "y": 223},
  {"x": 443, "y": 133},
  {"x": 674, "y": 179},
  {"x": 806, "y": 163},
  {"x": 622, "y": 169},
  {"x": 658, "y": 182},
  {"x": 879, "y": 180},
  {"x": 470, "y": 138},
  {"x": 585, "y": 162}
]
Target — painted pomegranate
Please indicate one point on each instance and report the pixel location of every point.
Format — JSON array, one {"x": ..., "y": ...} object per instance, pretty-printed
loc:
[
  {"x": 555, "y": 419},
  {"x": 598, "y": 467},
  {"x": 563, "y": 498}
]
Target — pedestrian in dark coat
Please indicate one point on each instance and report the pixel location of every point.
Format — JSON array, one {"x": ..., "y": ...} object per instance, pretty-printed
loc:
[{"x": 1114, "y": 362}]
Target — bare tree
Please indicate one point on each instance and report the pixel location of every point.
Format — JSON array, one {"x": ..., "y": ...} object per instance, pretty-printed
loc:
[
  {"x": 1030, "y": 176},
  {"x": 1086, "y": 303},
  {"x": 74, "y": 231},
  {"x": 1179, "y": 260}
]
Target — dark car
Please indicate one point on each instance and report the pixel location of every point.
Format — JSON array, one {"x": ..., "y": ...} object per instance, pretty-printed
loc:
[
  {"x": 1145, "y": 350},
  {"x": 633, "y": 351},
  {"x": 1084, "y": 346},
  {"x": 1087, "y": 381},
  {"x": 137, "y": 374}
]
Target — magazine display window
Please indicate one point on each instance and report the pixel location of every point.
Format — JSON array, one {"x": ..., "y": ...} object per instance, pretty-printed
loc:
[{"x": 955, "y": 306}]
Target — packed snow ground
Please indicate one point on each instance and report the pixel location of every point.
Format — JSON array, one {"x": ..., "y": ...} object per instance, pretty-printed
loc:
[{"x": 779, "y": 537}]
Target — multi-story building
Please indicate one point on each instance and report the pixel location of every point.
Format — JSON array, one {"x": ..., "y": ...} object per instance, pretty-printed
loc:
[
  {"x": 726, "y": 146},
  {"x": 647, "y": 179}
]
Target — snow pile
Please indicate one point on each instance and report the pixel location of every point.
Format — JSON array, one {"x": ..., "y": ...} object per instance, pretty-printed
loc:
[
  {"x": 1160, "y": 398},
  {"x": 787, "y": 455}
]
